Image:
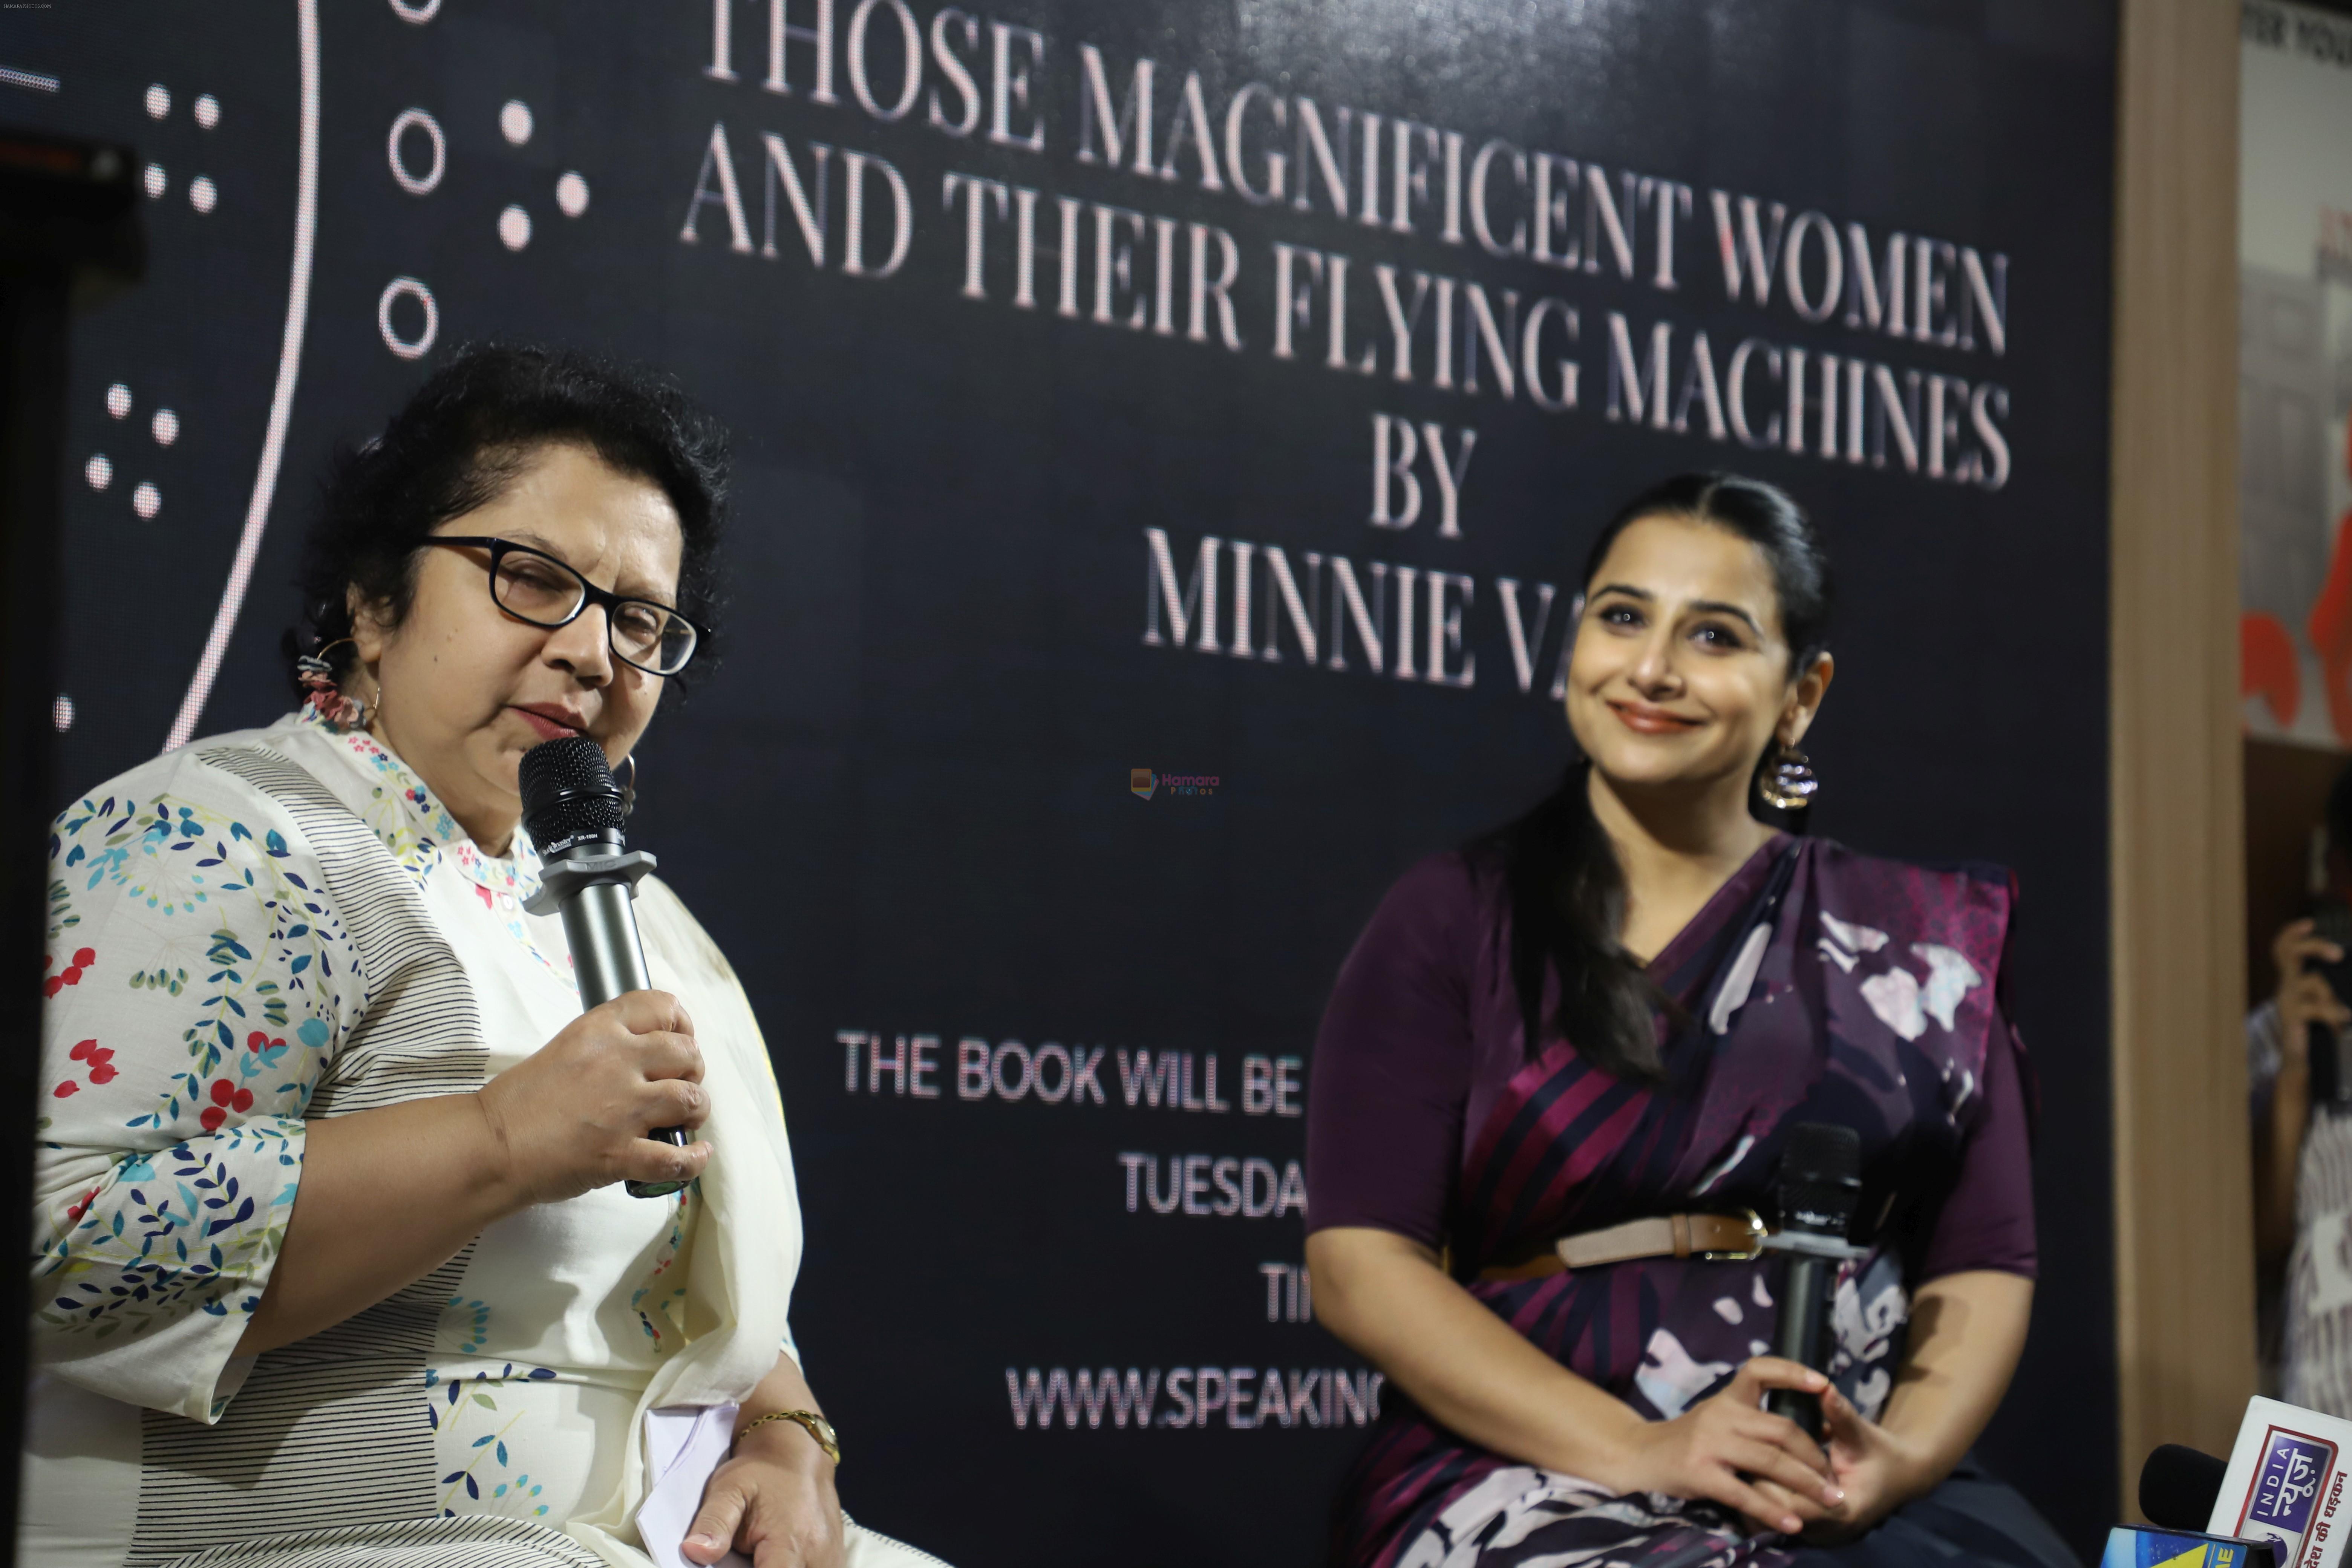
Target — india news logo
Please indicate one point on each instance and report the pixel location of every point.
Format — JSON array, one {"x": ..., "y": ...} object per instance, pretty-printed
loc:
[
  {"x": 1142, "y": 782},
  {"x": 2295, "y": 1470}
]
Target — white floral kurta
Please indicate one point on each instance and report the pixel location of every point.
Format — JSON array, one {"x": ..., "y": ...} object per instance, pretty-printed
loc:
[{"x": 201, "y": 980}]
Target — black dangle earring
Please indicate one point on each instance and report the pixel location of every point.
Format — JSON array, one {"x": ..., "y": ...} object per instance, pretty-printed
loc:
[
  {"x": 629, "y": 789},
  {"x": 1788, "y": 782}
]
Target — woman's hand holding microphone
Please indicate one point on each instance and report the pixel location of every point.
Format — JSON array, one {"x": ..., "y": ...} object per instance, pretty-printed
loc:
[
  {"x": 1729, "y": 1449},
  {"x": 1726, "y": 1449},
  {"x": 573, "y": 1115}
]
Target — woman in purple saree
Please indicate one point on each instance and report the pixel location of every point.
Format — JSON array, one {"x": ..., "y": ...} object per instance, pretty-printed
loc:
[{"x": 1698, "y": 983}]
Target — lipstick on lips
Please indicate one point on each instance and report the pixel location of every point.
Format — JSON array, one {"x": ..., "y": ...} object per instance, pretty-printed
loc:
[
  {"x": 1643, "y": 719},
  {"x": 547, "y": 729}
]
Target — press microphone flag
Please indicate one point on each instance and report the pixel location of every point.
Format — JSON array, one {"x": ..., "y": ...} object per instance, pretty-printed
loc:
[
  {"x": 2138, "y": 1546},
  {"x": 573, "y": 810},
  {"x": 2286, "y": 1484},
  {"x": 2177, "y": 1488}
]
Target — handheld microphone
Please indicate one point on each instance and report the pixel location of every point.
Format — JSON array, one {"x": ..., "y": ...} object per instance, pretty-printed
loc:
[
  {"x": 1821, "y": 1180},
  {"x": 573, "y": 811}
]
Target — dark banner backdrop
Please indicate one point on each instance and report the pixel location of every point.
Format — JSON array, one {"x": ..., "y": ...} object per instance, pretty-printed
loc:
[{"x": 1240, "y": 418}]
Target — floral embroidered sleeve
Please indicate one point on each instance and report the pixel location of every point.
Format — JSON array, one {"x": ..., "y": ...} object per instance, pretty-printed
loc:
[{"x": 198, "y": 981}]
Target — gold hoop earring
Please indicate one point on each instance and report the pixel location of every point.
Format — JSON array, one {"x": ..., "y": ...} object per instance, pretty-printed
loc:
[{"x": 1788, "y": 783}]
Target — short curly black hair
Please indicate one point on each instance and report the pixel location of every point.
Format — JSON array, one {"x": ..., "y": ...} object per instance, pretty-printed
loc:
[{"x": 466, "y": 434}]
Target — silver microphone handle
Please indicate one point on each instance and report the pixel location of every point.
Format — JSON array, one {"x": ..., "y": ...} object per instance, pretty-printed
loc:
[
  {"x": 595, "y": 892},
  {"x": 600, "y": 921}
]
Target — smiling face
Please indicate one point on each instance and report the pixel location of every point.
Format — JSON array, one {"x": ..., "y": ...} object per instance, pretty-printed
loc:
[
  {"x": 1680, "y": 677},
  {"x": 462, "y": 689}
]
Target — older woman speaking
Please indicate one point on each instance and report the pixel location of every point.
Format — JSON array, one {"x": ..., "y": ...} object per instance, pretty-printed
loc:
[{"x": 333, "y": 1259}]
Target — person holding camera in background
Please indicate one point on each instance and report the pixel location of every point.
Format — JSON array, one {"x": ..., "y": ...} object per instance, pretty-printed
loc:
[{"x": 2302, "y": 1140}]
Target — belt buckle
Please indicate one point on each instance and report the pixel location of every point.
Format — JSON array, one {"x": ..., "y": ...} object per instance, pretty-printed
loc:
[{"x": 1756, "y": 1235}]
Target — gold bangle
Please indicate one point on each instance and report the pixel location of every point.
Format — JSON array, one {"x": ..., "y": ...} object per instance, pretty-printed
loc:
[{"x": 808, "y": 1421}]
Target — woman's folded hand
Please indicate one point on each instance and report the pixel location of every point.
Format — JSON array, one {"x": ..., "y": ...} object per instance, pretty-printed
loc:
[
  {"x": 1878, "y": 1472},
  {"x": 1726, "y": 1449},
  {"x": 573, "y": 1115}
]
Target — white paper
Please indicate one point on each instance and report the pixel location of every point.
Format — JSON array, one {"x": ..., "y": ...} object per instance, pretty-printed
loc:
[
  {"x": 2286, "y": 1483},
  {"x": 667, "y": 1432},
  {"x": 683, "y": 1444}
]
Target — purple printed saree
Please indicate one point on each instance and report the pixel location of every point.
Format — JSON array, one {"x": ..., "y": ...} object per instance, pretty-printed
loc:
[{"x": 1818, "y": 986}]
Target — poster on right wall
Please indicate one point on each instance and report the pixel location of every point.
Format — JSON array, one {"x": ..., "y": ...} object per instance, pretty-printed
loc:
[{"x": 2295, "y": 374}]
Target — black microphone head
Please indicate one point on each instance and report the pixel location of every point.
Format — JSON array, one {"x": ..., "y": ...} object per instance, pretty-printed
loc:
[
  {"x": 569, "y": 796},
  {"x": 1820, "y": 1177},
  {"x": 2179, "y": 1486}
]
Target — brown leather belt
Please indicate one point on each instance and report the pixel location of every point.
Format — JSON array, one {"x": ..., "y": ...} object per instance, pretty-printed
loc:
[{"x": 1716, "y": 1237}]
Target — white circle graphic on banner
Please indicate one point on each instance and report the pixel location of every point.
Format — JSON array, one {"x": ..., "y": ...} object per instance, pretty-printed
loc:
[
  {"x": 514, "y": 122},
  {"x": 514, "y": 228},
  {"x": 98, "y": 472},
  {"x": 156, "y": 180},
  {"x": 408, "y": 288},
  {"x": 414, "y": 183},
  {"x": 203, "y": 194},
  {"x": 165, "y": 427},
  {"x": 571, "y": 194},
  {"x": 118, "y": 400},
  {"x": 159, "y": 102},
  {"x": 208, "y": 111},
  {"x": 61, "y": 712},
  {"x": 146, "y": 501},
  {"x": 415, "y": 13}
]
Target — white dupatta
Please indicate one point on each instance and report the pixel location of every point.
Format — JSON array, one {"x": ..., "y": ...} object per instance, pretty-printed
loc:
[{"x": 746, "y": 1248}]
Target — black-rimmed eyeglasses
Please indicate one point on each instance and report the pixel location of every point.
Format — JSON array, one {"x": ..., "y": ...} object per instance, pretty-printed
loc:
[{"x": 532, "y": 586}]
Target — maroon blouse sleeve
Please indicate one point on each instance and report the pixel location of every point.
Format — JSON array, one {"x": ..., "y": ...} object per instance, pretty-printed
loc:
[
  {"x": 1988, "y": 1220},
  {"x": 1392, "y": 1061}
]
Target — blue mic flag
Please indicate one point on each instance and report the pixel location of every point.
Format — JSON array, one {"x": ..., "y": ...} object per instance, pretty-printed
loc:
[{"x": 2143, "y": 1546}]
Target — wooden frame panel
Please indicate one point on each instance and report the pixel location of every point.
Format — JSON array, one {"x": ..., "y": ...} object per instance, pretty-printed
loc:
[{"x": 2184, "y": 1254}]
